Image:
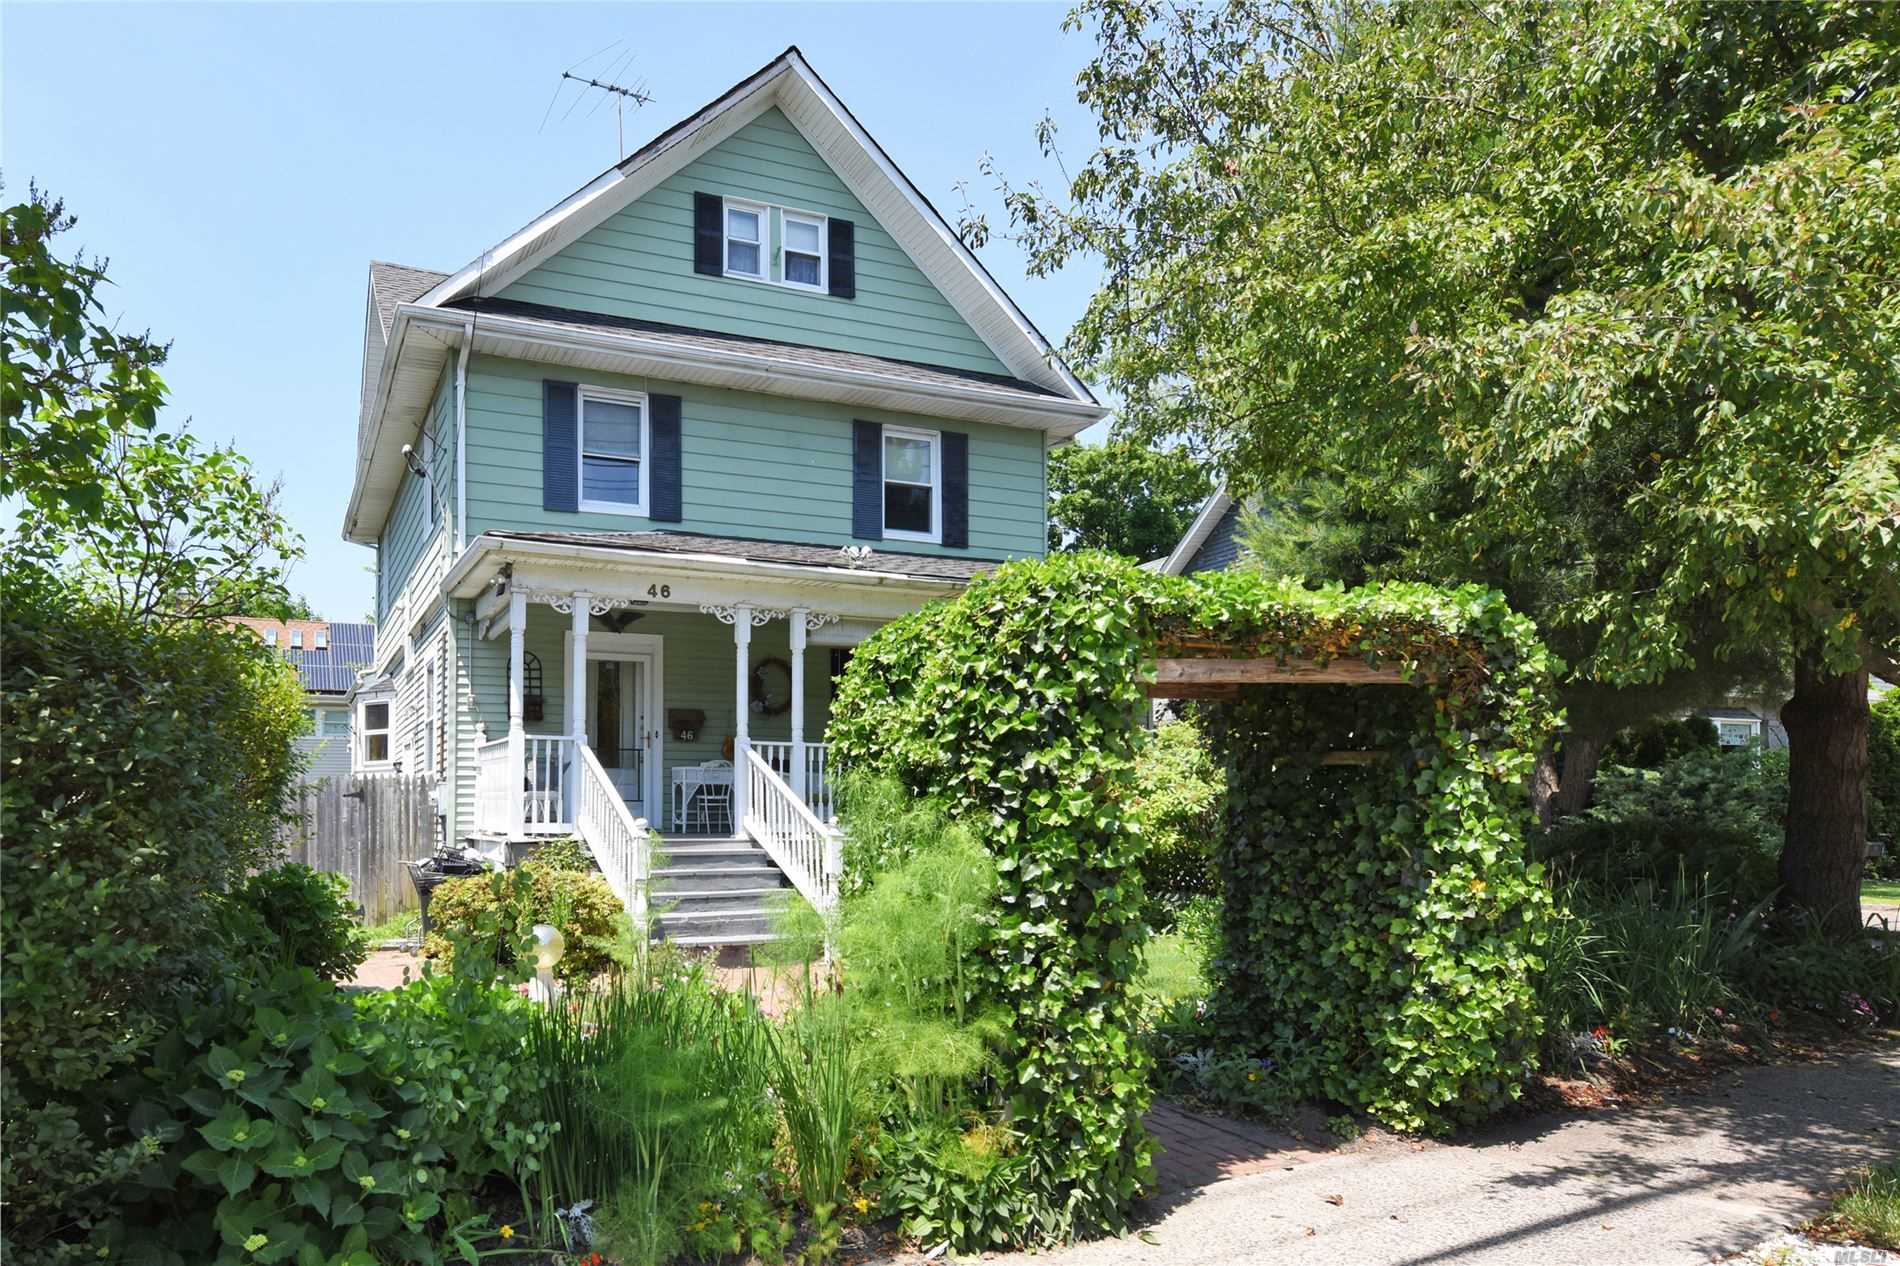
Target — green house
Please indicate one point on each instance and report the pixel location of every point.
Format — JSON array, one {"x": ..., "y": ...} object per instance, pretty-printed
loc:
[{"x": 639, "y": 476}]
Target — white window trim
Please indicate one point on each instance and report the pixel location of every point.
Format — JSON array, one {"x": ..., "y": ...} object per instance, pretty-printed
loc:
[
  {"x": 270, "y": 637},
  {"x": 363, "y": 732},
  {"x": 764, "y": 212},
  {"x": 320, "y": 641},
  {"x": 611, "y": 395},
  {"x": 823, "y": 225},
  {"x": 296, "y": 639},
  {"x": 935, "y": 535},
  {"x": 1753, "y": 727}
]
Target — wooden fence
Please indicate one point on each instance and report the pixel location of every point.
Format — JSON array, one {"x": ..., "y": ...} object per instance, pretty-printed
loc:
[{"x": 364, "y": 827}]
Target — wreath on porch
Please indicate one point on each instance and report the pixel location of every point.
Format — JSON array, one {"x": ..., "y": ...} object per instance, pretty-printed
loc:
[{"x": 771, "y": 698}]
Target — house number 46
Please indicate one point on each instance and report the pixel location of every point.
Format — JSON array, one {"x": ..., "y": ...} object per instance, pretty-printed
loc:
[{"x": 659, "y": 591}]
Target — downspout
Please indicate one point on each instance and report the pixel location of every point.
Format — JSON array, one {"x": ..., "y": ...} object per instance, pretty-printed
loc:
[{"x": 461, "y": 438}]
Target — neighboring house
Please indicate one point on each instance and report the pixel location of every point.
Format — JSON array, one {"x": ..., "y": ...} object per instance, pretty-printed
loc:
[
  {"x": 1211, "y": 543},
  {"x": 328, "y": 655},
  {"x": 641, "y": 474}
]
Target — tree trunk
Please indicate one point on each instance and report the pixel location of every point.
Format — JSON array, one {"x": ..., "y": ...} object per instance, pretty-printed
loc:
[
  {"x": 1581, "y": 754},
  {"x": 1544, "y": 783},
  {"x": 1826, "y": 833}
]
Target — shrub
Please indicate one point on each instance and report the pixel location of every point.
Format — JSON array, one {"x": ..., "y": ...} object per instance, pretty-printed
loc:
[
  {"x": 283, "y": 1123},
  {"x": 494, "y": 913},
  {"x": 146, "y": 770},
  {"x": 1883, "y": 778},
  {"x": 1177, "y": 799},
  {"x": 567, "y": 853},
  {"x": 964, "y": 1184},
  {"x": 1732, "y": 791},
  {"x": 1656, "y": 743},
  {"x": 1658, "y": 850},
  {"x": 293, "y": 915}
]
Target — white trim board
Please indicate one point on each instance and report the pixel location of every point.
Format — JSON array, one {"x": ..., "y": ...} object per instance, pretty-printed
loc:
[{"x": 1218, "y": 504}]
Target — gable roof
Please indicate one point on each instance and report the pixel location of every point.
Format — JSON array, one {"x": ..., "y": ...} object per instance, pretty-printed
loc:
[
  {"x": 788, "y": 82},
  {"x": 392, "y": 284},
  {"x": 1211, "y": 513}
]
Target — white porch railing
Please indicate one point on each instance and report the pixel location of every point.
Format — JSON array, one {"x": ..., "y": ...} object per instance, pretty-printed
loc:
[
  {"x": 619, "y": 840},
  {"x": 808, "y": 851},
  {"x": 818, "y": 781},
  {"x": 541, "y": 786},
  {"x": 492, "y": 782},
  {"x": 777, "y": 755}
]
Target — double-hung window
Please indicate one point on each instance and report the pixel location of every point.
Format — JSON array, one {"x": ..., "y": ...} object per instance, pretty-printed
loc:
[
  {"x": 613, "y": 451},
  {"x": 804, "y": 250},
  {"x": 296, "y": 639},
  {"x": 913, "y": 470},
  {"x": 375, "y": 728},
  {"x": 745, "y": 240}
]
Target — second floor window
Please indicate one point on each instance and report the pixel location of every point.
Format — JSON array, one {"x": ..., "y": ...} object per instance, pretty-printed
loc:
[
  {"x": 911, "y": 481},
  {"x": 804, "y": 251},
  {"x": 613, "y": 443},
  {"x": 745, "y": 240},
  {"x": 296, "y": 639}
]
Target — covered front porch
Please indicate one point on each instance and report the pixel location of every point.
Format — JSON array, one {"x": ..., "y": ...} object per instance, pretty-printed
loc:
[{"x": 624, "y": 692}]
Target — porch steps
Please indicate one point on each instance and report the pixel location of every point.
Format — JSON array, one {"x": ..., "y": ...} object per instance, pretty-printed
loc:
[{"x": 710, "y": 892}]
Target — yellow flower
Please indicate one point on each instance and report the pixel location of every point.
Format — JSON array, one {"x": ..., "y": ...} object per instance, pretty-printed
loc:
[
  {"x": 861, "y": 1205},
  {"x": 507, "y": 1233},
  {"x": 1253, "y": 1076}
]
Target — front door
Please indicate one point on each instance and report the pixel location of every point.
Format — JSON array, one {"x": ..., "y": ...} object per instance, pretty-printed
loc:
[{"x": 620, "y": 726}]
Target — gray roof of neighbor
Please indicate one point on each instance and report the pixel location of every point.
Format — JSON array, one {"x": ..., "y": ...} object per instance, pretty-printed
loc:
[
  {"x": 922, "y": 566},
  {"x": 398, "y": 283},
  {"x": 688, "y": 338}
]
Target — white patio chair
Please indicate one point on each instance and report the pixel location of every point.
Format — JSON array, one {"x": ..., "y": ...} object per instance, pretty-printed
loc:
[{"x": 713, "y": 800}]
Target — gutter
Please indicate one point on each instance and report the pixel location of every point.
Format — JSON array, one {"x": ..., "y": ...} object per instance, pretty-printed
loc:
[{"x": 461, "y": 436}]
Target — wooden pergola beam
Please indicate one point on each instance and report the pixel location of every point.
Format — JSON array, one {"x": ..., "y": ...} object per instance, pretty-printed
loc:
[
  {"x": 1210, "y": 670},
  {"x": 1189, "y": 690}
]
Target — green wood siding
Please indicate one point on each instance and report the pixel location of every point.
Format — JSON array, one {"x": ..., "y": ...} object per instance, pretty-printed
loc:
[
  {"x": 408, "y": 532},
  {"x": 639, "y": 262},
  {"x": 758, "y": 466},
  {"x": 698, "y": 674}
]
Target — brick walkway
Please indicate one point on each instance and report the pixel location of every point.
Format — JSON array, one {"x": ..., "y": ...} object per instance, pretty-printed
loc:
[{"x": 1198, "y": 1150}]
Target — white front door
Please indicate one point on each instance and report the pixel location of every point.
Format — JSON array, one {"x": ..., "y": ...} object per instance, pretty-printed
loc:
[{"x": 621, "y": 727}]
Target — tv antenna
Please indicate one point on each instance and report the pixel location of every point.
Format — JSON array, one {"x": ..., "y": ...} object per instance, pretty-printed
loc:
[{"x": 606, "y": 88}]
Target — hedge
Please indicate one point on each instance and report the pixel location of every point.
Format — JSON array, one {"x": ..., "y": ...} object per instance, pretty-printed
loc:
[{"x": 1018, "y": 703}]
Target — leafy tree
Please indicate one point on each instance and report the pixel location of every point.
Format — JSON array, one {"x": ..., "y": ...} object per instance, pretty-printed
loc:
[
  {"x": 147, "y": 519},
  {"x": 1123, "y": 497},
  {"x": 1637, "y": 258}
]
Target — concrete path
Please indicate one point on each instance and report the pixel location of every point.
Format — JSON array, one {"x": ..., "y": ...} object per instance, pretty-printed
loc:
[{"x": 1705, "y": 1177}]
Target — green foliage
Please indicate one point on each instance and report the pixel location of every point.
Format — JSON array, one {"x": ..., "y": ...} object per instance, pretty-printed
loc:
[
  {"x": 961, "y": 1185},
  {"x": 818, "y": 1080},
  {"x": 492, "y": 914},
  {"x": 567, "y": 853},
  {"x": 1392, "y": 973},
  {"x": 146, "y": 769},
  {"x": 1868, "y": 1212},
  {"x": 1131, "y": 499},
  {"x": 281, "y": 1123},
  {"x": 1658, "y": 850},
  {"x": 1177, "y": 799},
  {"x": 1655, "y": 743},
  {"x": 70, "y": 382},
  {"x": 1632, "y": 328},
  {"x": 659, "y": 1086},
  {"x": 1883, "y": 775},
  {"x": 299, "y": 917}
]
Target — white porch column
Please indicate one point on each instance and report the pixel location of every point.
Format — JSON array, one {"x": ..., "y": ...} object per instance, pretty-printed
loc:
[
  {"x": 577, "y": 676},
  {"x": 517, "y": 738},
  {"x": 798, "y": 700},
  {"x": 742, "y": 710}
]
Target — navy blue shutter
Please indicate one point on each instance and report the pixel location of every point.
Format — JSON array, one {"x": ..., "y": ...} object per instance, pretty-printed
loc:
[
  {"x": 842, "y": 264},
  {"x": 560, "y": 446},
  {"x": 709, "y": 234},
  {"x": 867, "y": 481},
  {"x": 663, "y": 479},
  {"x": 956, "y": 490}
]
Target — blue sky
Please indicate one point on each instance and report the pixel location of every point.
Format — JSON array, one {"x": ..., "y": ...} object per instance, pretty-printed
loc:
[{"x": 241, "y": 165}]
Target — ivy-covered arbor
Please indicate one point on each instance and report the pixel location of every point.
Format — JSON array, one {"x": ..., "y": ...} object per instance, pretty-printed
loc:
[{"x": 1381, "y": 921}]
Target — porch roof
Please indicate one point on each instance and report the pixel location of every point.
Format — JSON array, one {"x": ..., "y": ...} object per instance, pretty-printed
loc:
[{"x": 827, "y": 557}]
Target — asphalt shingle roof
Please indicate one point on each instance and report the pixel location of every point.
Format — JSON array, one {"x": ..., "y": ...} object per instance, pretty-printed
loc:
[
  {"x": 398, "y": 283},
  {"x": 922, "y": 566}
]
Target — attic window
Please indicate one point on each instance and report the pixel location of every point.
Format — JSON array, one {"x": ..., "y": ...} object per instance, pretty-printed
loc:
[
  {"x": 296, "y": 639},
  {"x": 804, "y": 250},
  {"x": 320, "y": 640},
  {"x": 745, "y": 240}
]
